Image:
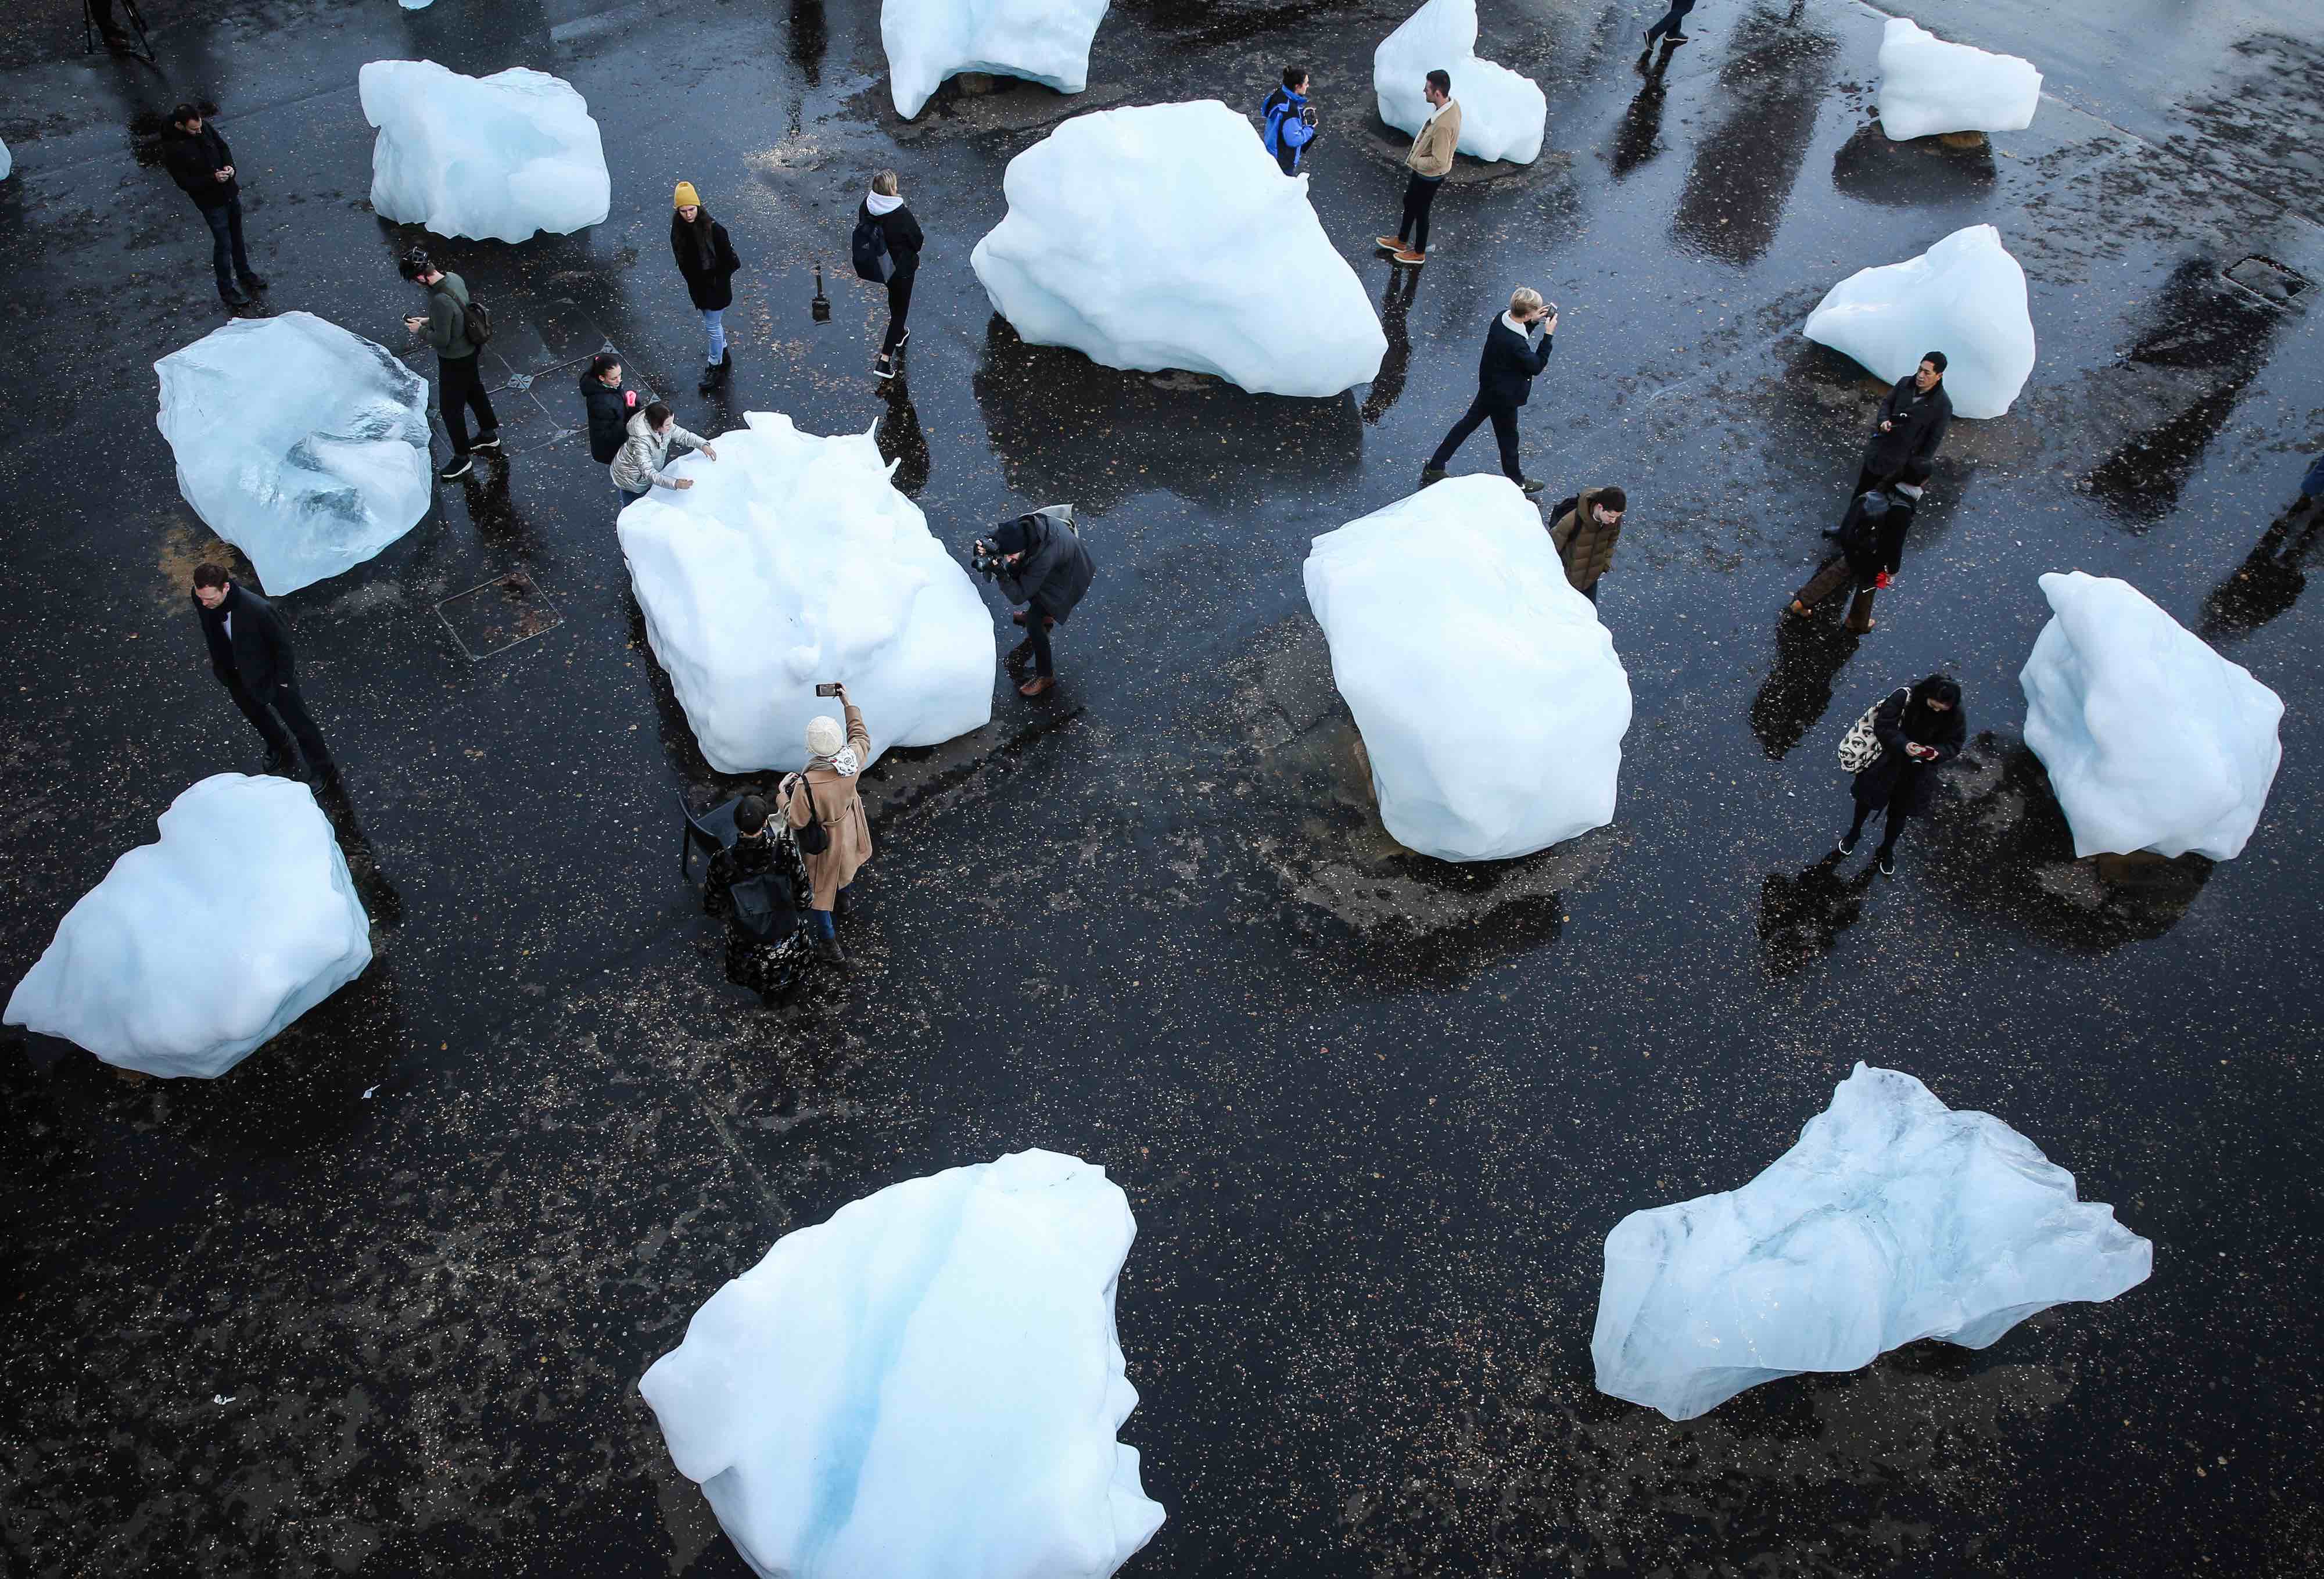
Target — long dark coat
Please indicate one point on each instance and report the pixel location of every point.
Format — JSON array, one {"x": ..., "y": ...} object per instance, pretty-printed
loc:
[
  {"x": 709, "y": 281},
  {"x": 760, "y": 966},
  {"x": 1904, "y": 784},
  {"x": 1056, "y": 571}
]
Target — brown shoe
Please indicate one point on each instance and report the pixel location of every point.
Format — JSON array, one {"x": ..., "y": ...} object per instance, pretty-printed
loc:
[
  {"x": 1390, "y": 243},
  {"x": 1410, "y": 258},
  {"x": 1038, "y": 684}
]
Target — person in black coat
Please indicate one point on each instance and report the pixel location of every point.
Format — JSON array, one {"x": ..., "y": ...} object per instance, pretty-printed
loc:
[
  {"x": 885, "y": 207},
  {"x": 771, "y": 967},
  {"x": 705, "y": 256},
  {"x": 199, "y": 161},
  {"x": 610, "y": 408},
  {"x": 1920, "y": 729},
  {"x": 1869, "y": 549},
  {"x": 1908, "y": 426},
  {"x": 250, "y": 653},
  {"x": 1045, "y": 567},
  {"x": 1505, "y": 375}
]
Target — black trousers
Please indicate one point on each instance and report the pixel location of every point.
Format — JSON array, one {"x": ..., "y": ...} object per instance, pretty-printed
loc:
[
  {"x": 1672, "y": 22},
  {"x": 226, "y": 253},
  {"x": 1505, "y": 429},
  {"x": 269, "y": 714},
  {"x": 1419, "y": 193},
  {"x": 900, "y": 307},
  {"x": 462, "y": 391},
  {"x": 1897, "y": 816}
]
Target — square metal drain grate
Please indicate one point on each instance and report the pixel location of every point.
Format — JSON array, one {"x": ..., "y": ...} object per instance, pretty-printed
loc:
[
  {"x": 494, "y": 617},
  {"x": 2265, "y": 277}
]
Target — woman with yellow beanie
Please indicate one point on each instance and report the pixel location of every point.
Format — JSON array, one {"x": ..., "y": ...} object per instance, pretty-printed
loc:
[{"x": 705, "y": 256}]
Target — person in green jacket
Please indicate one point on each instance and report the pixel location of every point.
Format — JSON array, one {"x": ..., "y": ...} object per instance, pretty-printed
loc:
[{"x": 459, "y": 387}]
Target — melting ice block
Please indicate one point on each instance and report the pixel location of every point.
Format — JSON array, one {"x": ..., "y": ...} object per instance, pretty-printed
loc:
[
  {"x": 2152, "y": 741},
  {"x": 1965, "y": 296},
  {"x": 302, "y": 445},
  {"x": 926, "y": 1385},
  {"x": 1503, "y": 116},
  {"x": 1893, "y": 1219},
  {"x": 1167, "y": 236},
  {"x": 496, "y": 158},
  {"x": 1928, "y": 86},
  {"x": 193, "y": 952},
  {"x": 1043, "y": 41},
  {"x": 792, "y": 561},
  {"x": 7, "y": 162},
  {"x": 1490, "y": 698}
]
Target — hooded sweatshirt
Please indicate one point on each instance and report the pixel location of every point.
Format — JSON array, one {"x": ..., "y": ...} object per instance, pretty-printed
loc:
[{"x": 638, "y": 468}]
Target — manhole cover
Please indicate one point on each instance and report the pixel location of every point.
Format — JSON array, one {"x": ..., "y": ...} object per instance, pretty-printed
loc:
[
  {"x": 2267, "y": 278},
  {"x": 497, "y": 615}
]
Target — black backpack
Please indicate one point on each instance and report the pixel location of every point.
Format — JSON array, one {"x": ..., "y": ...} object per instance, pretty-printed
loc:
[
  {"x": 873, "y": 262},
  {"x": 812, "y": 837},
  {"x": 766, "y": 907},
  {"x": 475, "y": 318}
]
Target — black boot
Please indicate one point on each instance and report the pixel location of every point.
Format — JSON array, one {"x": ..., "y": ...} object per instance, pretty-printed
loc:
[
  {"x": 724, "y": 370},
  {"x": 253, "y": 282},
  {"x": 709, "y": 379},
  {"x": 828, "y": 949}
]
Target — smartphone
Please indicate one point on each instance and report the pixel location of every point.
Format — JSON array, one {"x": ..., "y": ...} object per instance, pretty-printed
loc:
[{"x": 827, "y": 690}]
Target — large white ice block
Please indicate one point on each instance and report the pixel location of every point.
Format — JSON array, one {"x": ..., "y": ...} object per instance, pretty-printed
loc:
[
  {"x": 2152, "y": 741},
  {"x": 1490, "y": 698},
  {"x": 302, "y": 445},
  {"x": 1928, "y": 86},
  {"x": 925, "y": 1387},
  {"x": 496, "y": 158},
  {"x": 1042, "y": 40},
  {"x": 1965, "y": 296},
  {"x": 1503, "y": 116},
  {"x": 195, "y": 951},
  {"x": 1167, "y": 236},
  {"x": 1894, "y": 1218},
  {"x": 793, "y": 561}
]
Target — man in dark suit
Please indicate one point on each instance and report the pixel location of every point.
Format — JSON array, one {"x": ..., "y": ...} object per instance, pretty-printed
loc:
[
  {"x": 250, "y": 653},
  {"x": 200, "y": 162},
  {"x": 1505, "y": 376},
  {"x": 1909, "y": 426}
]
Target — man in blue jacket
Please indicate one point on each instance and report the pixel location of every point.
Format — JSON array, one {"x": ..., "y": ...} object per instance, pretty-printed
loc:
[
  {"x": 1505, "y": 376},
  {"x": 1287, "y": 121}
]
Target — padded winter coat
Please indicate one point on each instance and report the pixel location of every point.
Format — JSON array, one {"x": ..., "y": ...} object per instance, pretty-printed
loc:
[
  {"x": 638, "y": 468},
  {"x": 839, "y": 807},
  {"x": 1906, "y": 785},
  {"x": 1584, "y": 542},
  {"x": 710, "y": 285},
  {"x": 1917, "y": 424},
  {"x": 609, "y": 414},
  {"x": 1056, "y": 571}
]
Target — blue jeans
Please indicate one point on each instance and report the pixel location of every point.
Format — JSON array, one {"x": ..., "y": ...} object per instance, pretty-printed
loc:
[
  {"x": 713, "y": 320},
  {"x": 227, "y": 255},
  {"x": 2313, "y": 483},
  {"x": 1673, "y": 23},
  {"x": 826, "y": 928}
]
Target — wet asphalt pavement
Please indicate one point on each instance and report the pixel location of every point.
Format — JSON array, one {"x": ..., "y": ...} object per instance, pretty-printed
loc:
[{"x": 376, "y": 1302}]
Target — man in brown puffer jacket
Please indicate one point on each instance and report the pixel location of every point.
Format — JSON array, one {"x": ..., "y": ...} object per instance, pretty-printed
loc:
[{"x": 1585, "y": 532}]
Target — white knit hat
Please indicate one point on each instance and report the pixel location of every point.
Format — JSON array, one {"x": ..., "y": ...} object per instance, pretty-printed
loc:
[{"x": 824, "y": 736}]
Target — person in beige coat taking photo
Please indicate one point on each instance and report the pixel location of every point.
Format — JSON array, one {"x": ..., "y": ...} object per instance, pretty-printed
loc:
[
  {"x": 824, "y": 808},
  {"x": 1430, "y": 161}
]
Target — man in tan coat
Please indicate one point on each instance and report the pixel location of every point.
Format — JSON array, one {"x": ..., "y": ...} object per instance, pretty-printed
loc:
[
  {"x": 827, "y": 793},
  {"x": 1584, "y": 533},
  {"x": 1430, "y": 161}
]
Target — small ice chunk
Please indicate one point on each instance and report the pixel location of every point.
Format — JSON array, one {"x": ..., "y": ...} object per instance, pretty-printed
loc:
[
  {"x": 793, "y": 561},
  {"x": 1490, "y": 698},
  {"x": 7, "y": 162},
  {"x": 1043, "y": 41},
  {"x": 1167, "y": 236},
  {"x": 1965, "y": 296},
  {"x": 415, "y": 5},
  {"x": 193, "y": 952},
  {"x": 495, "y": 158},
  {"x": 302, "y": 445},
  {"x": 1928, "y": 86},
  {"x": 2152, "y": 741},
  {"x": 1503, "y": 116},
  {"x": 928, "y": 1384},
  {"x": 1893, "y": 1219}
]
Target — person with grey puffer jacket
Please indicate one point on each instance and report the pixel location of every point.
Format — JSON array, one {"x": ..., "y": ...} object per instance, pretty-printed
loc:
[{"x": 637, "y": 470}]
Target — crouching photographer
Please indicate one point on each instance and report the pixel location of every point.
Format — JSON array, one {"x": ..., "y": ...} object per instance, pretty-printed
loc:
[{"x": 1039, "y": 560}]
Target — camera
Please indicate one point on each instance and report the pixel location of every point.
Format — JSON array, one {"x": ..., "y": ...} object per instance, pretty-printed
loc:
[{"x": 984, "y": 558}]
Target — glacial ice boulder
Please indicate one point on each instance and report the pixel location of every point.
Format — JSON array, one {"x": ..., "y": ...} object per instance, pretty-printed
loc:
[
  {"x": 495, "y": 158},
  {"x": 8, "y": 163},
  {"x": 1165, "y": 236},
  {"x": 1503, "y": 116},
  {"x": 926, "y": 1385},
  {"x": 2152, "y": 741},
  {"x": 793, "y": 561},
  {"x": 1928, "y": 86},
  {"x": 302, "y": 445},
  {"x": 194, "y": 952},
  {"x": 1042, "y": 40},
  {"x": 1489, "y": 696},
  {"x": 1893, "y": 1219},
  {"x": 1965, "y": 296}
]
